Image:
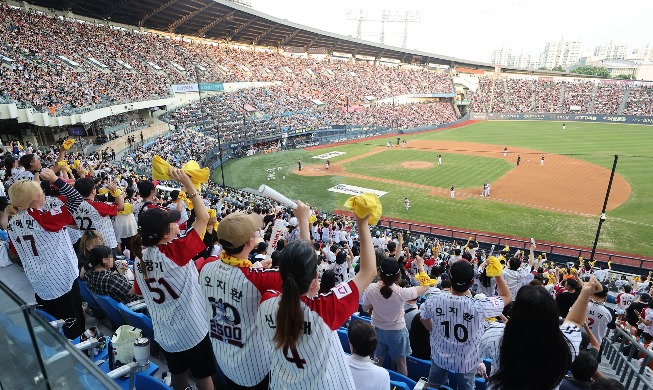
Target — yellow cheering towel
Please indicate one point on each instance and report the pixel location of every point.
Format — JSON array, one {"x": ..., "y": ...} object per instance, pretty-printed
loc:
[
  {"x": 213, "y": 214},
  {"x": 126, "y": 210},
  {"x": 312, "y": 219},
  {"x": 506, "y": 249},
  {"x": 76, "y": 164},
  {"x": 493, "y": 267},
  {"x": 189, "y": 203},
  {"x": 161, "y": 171},
  {"x": 366, "y": 204},
  {"x": 102, "y": 191},
  {"x": 580, "y": 262},
  {"x": 609, "y": 265},
  {"x": 68, "y": 143},
  {"x": 425, "y": 280}
]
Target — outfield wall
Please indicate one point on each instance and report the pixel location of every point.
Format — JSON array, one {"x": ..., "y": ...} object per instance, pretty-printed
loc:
[{"x": 597, "y": 118}]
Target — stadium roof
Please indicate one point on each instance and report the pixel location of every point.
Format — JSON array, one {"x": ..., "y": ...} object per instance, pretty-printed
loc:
[{"x": 226, "y": 20}]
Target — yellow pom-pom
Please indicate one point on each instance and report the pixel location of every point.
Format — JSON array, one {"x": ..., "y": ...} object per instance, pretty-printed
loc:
[
  {"x": 425, "y": 280},
  {"x": 68, "y": 143},
  {"x": 364, "y": 205},
  {"x": 312, "y": 219},
  {"x": 493, "y": 267},
  {"x": 506, "y": 249}
]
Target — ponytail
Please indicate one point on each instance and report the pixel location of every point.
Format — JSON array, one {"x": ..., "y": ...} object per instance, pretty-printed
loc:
[
  {"x": 298, "y": 269},
  {"x": 11, "y": 210},
  {"x": 290, "y": 318},
  {"x": 388, "y": 281},
  {"x": 137, "y": 250}
]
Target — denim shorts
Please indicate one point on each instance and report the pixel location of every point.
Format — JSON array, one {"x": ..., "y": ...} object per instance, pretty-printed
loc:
[{"x": 395, "y": 342}]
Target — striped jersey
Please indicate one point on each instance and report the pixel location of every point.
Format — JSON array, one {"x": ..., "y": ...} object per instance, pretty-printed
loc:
[
  {"x": 97, "y": 215},
  {"x": 231, "y": 301},
  {"x": 341, "y": 271},
  {"x": 600, "y": 318},
  {"x": 624, "y": 300},
  {"x": 490, "y": 343},
  {"x": 318, "y": 362},
  {"x": 52, "y": 202},
  {"x": 43, "y": 245},
  {"x": 140, "y": 207},
  {"x": 457, "y": 328},
  {"x": 167, "y": 279}
]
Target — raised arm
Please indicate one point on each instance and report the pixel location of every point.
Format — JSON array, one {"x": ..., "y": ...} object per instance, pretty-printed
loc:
[
  {"x": 578, "y": 311},
  {"x": 201, "y": 215},
  {"x": 503, "y": 290},
  {"x": 367, "y": 257},
  {"x": 302, "y": 213},
  {"x": 531, "y": 256},
  {"x": 73, "y": 198}
]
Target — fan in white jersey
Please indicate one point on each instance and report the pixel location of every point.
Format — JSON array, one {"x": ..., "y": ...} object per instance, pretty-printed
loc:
[
  {"x": 232, "y": 291},
  {"x": 534, "y": 326},
  {"x": 456, "y": 322},
  {"x": 45, "y": 250},
  {"x": 342, "y": 265},
  {"x": 167, "y": 279},
  {"x": 307, "y": 352},
  {"x": 147, "y": 191},
  {"x": 97, "y": 215},
  {"x": 600, "y": 318},
  {"x": 176, "y": 203},
  {"x": 625, "y": 298}
]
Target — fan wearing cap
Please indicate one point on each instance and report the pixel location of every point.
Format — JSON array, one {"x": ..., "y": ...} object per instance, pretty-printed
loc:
[
  {"x": 456, "y": 321},
  {"x": 518, "y": 274},
  {"x": 292, "y": 234},
  {"x": 167, "y": 279},
  {"x": 147, "y": 192},
  {"x": 600, "y": 318},
  {"x": 387, "y": 299},
  {"x": 103, "y": 281},
  {"x": 232, "y": 291}
]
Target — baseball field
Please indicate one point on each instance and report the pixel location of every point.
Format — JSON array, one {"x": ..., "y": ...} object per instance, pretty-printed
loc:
[{"x": 557, "y": 199}]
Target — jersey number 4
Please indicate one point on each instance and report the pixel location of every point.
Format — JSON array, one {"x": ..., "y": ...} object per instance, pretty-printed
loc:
[
  {"x": 32, "y": 241},
  {"x": 160, "y": 294},
  {"x": 293, "y": 357}
]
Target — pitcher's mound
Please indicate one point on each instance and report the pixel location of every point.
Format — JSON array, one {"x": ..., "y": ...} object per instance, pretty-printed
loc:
[{"x": 416, "y": 164}]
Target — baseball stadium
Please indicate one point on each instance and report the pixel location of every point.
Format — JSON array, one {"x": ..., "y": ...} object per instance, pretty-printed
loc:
[{"x": 307, "y": 179}]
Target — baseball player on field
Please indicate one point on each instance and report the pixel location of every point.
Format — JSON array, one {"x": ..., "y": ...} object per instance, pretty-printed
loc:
[
  {"x": 97, "y": 215},
  {"x": 456, "y": 324},
  {"x": 45, "y": 250},
  {"x": 302, "y": 327},
  {"x": 232, "y": 291},
  {"x": 167, "y": 279}
]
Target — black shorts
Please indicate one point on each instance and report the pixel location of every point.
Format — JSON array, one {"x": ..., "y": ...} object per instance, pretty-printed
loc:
[
  {"x": 67, "y": 307},
  {"x": 199, "y": 360}
]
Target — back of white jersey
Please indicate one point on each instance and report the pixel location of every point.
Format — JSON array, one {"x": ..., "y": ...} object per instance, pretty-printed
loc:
[
  {"x": 174, "y": 300},
  {"x": 48, "y": 258},
  {"x": 625, "y": 300},
  {"x": 341, "y": 271},
  {"x": 598, "y": 318},
  {"x": 88, "y": 217}
]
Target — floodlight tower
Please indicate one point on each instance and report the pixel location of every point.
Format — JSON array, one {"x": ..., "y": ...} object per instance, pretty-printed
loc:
[{"x": 360, "y": 15}]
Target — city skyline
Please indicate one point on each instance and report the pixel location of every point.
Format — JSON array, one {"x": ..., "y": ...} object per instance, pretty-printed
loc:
[{"x": 478, "y": 29}]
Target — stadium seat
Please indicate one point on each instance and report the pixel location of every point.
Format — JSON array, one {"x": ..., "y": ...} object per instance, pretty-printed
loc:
[
  {"x": 45, "y": 315},
  {"x": 397, "y": 377},
  {"x": 479, "y": 384},
  {"x": 394, "y": 385},
  {"x": 147, "y": 382},
  {"x": 87, "y": 297},
  {"x": 418, "y": 368},
  {"x": 488, "y": 365},
  {"x": 355, "y": 317},
  {"x": 344, "y": 340},
  {"x": 110, "y": 307},
  {"x": 137, "y": 320}
]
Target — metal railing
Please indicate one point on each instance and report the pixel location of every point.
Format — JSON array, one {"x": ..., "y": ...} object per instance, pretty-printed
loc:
[{"x": 628, "y": 366}]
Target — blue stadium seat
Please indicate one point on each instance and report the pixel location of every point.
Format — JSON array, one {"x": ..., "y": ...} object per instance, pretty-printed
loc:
[
  {"x": 394, "y": 385},
  {"x": 146, "y": 382},
  {"x": 344, "y": 340},
  {"x": 137, "y": 320},
  {"x": 355, "y": 317},
  {"x": 479, "y": 384},
  {"x": 488, "y": 365},
  {"x": 397, "y": 377},
  {"x": 418, "y": 368},
  {"x": 87, "y": 297},
  {"x": 110, "y": 307}
]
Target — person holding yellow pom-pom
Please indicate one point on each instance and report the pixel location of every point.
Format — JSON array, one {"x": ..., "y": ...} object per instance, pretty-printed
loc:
[{"x": 518, "y": 274}]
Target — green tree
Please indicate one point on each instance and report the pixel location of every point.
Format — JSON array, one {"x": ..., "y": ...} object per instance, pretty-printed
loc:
[
  {"x": 558, "y": 68},
  {"x": 592, "y": 71},
  {"x": 626, "y": 76}
]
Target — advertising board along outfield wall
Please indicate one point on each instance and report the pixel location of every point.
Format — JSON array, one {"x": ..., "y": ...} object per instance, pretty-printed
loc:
[{"x": 597, "y": 118}]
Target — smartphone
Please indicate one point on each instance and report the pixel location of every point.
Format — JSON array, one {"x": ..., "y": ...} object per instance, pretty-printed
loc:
[{"x": 532, "y": 241}]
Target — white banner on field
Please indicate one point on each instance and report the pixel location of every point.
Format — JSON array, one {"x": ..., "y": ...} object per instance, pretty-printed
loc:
[
  {"x": 329, "y": 155},
  {"x": 183, "y": 88},
  {"x": 353, "y": 190},
  {"x": 278, "y": 230}
]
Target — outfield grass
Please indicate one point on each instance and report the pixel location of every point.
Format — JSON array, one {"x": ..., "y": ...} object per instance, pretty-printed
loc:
[{"x": 629, "y": 227}]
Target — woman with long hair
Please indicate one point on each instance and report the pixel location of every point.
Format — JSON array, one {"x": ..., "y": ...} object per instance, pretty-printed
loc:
[
  {"x": 307, "y": 352},
  {"x": 167, "y": 278},
  {"x": 387, "y": 299},
  {"x": 534, "y": 326}
]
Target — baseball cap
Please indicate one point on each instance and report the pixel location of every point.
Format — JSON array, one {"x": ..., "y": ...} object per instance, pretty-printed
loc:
[
  {"x": 462, "y": 273},
  {"x": 98, "y": 253},
  {"x": 153, "y": 224},
  {"x": 237, "y": 228},
  {"x": 293, "y": 221},
  {"x": 603, "y": 293},
  {"x": 145, "y": 187},
  {"x": 644, "y": 297},
  {"x": 390, "y": 267}
]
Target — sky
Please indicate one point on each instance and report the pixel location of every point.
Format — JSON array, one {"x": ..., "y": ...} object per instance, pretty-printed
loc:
[{"x": 473, "y": 28}]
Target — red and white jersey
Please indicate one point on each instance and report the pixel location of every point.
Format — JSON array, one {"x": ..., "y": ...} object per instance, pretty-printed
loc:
[
  {"x": 140, "y": 207},
  {"x": 183, "y": 212},
  {"x": 97, "y": 215},
  {"x": 318, "y": 361},
  {"x": 599, "y": 319},
  {"x": 52, "y": 202},
  {"x": 624, "y": 300},
  {"x": 231, "y": 300},
  {"x": 172, "y": 292},
  {"x": 45, "y": 250},
  {"x": 458, "y": 324}
]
